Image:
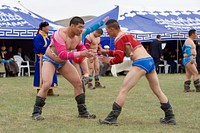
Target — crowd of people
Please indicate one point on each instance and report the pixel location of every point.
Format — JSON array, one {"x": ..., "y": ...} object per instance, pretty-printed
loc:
[
  {"x": 8, "y": 65},
  {"x": 171, "y": 55}
]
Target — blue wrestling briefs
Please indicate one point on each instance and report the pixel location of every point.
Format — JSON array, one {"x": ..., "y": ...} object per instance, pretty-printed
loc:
[
  {"x": 145, "y": 63},
  {"x": 186, "y": 60},
  {"x": 48, "y": 59},
  {"x": 187, "y": 50}
]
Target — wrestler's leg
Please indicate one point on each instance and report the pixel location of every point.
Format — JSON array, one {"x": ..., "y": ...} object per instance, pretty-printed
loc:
[
  {"x": 193, "y": 70},
  {"x": 165, "y": 105},
  {"x": 90, "y": 65},
  {"x": 69, "y": 72},
  {"x": 91, "y": 70},
  {"x": 85, "y": 78},
  {"x": 96, "y": 68},
  {"x": 187, "y": 81},
  {"x": 131, "y": 79},
  {"x": 84, "y": 66},
  {"x": 48, "y": 70},
  {"x": 188, "y": 74},
  {"x": 155, "y": 86},
  {"x": 77, "y": 66}
]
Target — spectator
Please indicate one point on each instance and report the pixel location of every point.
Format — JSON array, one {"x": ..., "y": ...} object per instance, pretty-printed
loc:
[
  {"x": 10, "y": 65},
  {"x": 156, "y": 51},
  {"x": 2, "y": 68},
  {"x": 198, "y": 55},
  {"x": 104, "y": 66},
  {"x": 9, "y": 54},
  {"x": 180, "y": 56},
  {"x": 20, "y": 53},
  {"x": 170, "y": 56},
  {"x": 3, "y": 52}
]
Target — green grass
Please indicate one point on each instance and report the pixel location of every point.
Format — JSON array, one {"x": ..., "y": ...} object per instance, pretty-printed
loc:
[{"x": 140, "y": 114}]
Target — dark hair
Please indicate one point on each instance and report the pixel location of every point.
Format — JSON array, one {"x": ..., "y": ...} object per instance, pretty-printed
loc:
[
  {"x": 99, "y": 31},
  {"x": 158, "y": 36},
  {"x": 43, "y": 24},
  {"x": 112, "y": 23},
  {"x": 76, "y": 20},
  {"x": 192, "y": 31}
]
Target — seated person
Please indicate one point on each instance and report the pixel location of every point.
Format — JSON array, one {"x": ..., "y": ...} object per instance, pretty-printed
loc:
[
  {"x": 20, "y": 53},
  {"x": 7, "y": 58},
  {"x": 169, "y": 56},
  {"x": 2, "y": 68}
]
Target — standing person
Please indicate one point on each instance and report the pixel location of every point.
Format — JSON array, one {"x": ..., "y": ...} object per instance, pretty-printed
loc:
[
  {"x": 57, "y": 57},
  {"x": 104, "y": 66},
  {"x": 93, "y": 43},
  {"x": 81, "y": 63},
  {"x": 198, "y": 55},
  {"x": 143, "y": 65},
  {"x": 156, "y": 51},
  {"x": 40, "y": 43},
  {"x": 189, "y": 61}
]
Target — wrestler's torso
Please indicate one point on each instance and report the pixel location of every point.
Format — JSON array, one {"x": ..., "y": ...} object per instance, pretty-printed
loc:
[
  {"x": 95, "y": 41},
  {"x": 70, "y": 44},
  {"x": 131, "y": 46},
  {"x": 190, "y": 42}
]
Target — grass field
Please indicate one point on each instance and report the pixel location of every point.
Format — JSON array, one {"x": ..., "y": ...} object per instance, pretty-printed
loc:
[{"x": 140, "y": 114}]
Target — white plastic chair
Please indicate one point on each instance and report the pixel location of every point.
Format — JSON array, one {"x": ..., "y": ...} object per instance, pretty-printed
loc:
[
  {"x": 19, "y": 60},
  {"x": 160, "y": 66},
  {"x": 178, "y": 65},
  {"x": 166, "y": 66}
]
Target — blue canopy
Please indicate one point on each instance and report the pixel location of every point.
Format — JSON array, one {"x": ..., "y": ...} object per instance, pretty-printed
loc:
[
  {"x": 145, "y": 25},
  {"x": 17, "y": 22}
]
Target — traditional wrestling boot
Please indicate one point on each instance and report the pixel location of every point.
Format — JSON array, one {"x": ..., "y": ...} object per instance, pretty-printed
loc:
[
  {"x": 51, "y": 93},
  {"x": 111, "y": 119},
  {"x": 197, "y": 85},
  {"x": 82, "y": 109},
  {"x": 169, "y": 116},
  {"x": 187, "y": 86},
  {"x": 97, "y": 83},
  {"x": 90, "y": 86},
  {"x": 37, "y": 111}
]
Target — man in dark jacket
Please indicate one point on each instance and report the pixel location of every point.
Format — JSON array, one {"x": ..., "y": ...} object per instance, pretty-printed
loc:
[{"x": 156, "y": 51}]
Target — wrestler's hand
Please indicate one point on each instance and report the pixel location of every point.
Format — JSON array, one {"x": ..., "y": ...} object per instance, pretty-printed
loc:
[
  {"x": 92, "y": 51},
  {"x": 103, "y": 51},
  {"x": 105, "y": 59},
  {"x": 106, "y": 19},
  {"x": 192, "y": 61},
  {"x": 87, "y": 54},
  {"x": 131, "y": 56}
]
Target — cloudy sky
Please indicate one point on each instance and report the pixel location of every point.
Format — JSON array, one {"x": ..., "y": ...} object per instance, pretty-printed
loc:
[{"x": 61, "y": 9}]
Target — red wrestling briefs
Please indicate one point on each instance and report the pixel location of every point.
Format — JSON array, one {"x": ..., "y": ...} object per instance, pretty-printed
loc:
[
  {"x": 120, "y": 42},
  {"x": 78, "y": 60}
]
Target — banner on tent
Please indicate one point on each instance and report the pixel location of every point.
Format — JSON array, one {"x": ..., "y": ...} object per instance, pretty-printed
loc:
[
  {"x": 165, "y": 36},
  {"x": 17, "y": 33},
  {"x": 19, "y": 22}
]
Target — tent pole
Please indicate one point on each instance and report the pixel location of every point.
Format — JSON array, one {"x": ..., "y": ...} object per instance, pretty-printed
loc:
[{"x": 177, "y": 47}]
